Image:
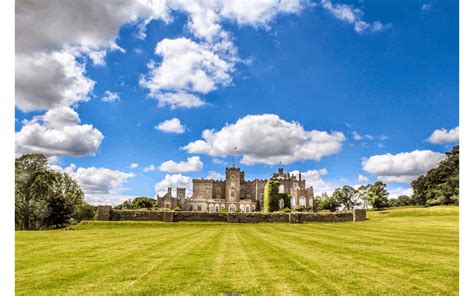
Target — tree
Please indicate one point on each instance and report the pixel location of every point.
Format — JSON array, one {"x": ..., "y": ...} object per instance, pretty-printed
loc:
[
  {"x": 346, "y": 196},
  {"x": 270, "y": 196},
  {"x": 440, "y": 185},
  {"x": 140, "y": 202},
  {"x": 326, "y": 202},
  {"x": 378, "y": 195},
  {"x": 44, "y": 198},
  {"x": 363, "y": 196}
]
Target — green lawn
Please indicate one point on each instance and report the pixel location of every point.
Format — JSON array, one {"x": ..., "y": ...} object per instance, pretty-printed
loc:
[{"x": 399, "y": 251}]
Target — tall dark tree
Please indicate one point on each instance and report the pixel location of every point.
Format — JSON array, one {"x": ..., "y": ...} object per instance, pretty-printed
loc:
[
  {"x": 441, "y": 184},
  {"x": 270, "y": 196},
  {"x": 378, "y": 195}
]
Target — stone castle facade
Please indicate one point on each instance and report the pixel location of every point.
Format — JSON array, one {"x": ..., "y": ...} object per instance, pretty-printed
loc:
[{"x": 235, "y": 192}]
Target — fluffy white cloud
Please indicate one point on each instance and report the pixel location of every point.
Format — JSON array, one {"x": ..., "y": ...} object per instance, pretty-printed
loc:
[
  {"x": 134, "y": 165},
  {"x": 187, "y": 67},
  {"x": 149, "y": 168},
  {"x": 53, "y": 39},
  {"x": 44, "y": 81},
  {"x": 192, "y": 164},
  {"x": 267, "y": 139},
  {"x": 171, "y": 126},
  {"x": 362, "y": 178},
  {"x": 441, "y": 136},
  {"x": 174, "y": 181},
  {"x": 100, "y": 185},
  {"x": 110, "y": 96},
  {"x": 314, "y": 178},
  {"x": 354, "y": 16},
  {"x": 205, "y": 17},
  {"x": 58, "y": 133},
  {"x": 403, "y": 167}
]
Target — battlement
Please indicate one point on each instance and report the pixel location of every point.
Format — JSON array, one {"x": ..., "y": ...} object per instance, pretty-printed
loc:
[{"x": 203, "y": 180}]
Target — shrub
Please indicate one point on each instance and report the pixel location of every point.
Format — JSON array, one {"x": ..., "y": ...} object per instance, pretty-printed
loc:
[
  {"x": 286, "y": 210},
  {"x": 222, "y": 210},
  {"x": 238, "y": 210},
  {"x": 177, "y": 209},
  {"x": 433, "y": 202},
  {"x": 298, "y": 208}
]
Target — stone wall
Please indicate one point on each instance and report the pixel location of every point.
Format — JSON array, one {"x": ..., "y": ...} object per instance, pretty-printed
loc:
[{"x": 106, "y": 213}]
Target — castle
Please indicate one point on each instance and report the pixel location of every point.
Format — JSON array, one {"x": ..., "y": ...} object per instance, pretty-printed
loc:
[{"x": 235, "y": 192}]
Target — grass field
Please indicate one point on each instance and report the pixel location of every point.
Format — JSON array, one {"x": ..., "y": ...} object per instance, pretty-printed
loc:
[{"x": 403, "y": 251}]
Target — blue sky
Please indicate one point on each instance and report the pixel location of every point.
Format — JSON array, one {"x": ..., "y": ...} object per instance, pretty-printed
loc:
[{"x": 386, "y": 88}]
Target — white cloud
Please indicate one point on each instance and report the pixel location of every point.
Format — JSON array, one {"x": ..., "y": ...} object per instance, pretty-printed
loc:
[
  {"x": 171, "y": 126},
  {"x": 44, "y": 81},
  {"x": 218, "y": 161},
  {"x": 403, "y": 167},
  {"x": 267, "y": 139},
  {"x": 314, "y": 178},
  {"x": 134, "y": 165},
  {"x": 354, "y": 16},
  {"x": 356, "y": 136},
  {"x": 98, "y": 57},
  {"x": 205, "y": 17},
  {"x": 54, "y": 38},
  {"x": 179, "y": 100},
  {"x": 192, "y": 164},
  {"x": 215, "y": 175},
  {"x": 149, "y": 168},
  {"x": 187, "y": 68},
  {"x": 110, "y": 96},
  {"x": 362, "y": 178},
  {"x": 174, "y": 181},
  {"x": 441, "y": 136},
  {"x": 394, "y": 193},
  {"x": 58, "y": 133},
  {"x": 100, "y": 185}
]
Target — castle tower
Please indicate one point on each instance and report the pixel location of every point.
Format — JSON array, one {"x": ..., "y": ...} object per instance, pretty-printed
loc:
[{"x": 233, "y": 178}]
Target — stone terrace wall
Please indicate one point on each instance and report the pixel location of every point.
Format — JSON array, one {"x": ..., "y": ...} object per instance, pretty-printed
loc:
[{"x": 106, "y": 213}]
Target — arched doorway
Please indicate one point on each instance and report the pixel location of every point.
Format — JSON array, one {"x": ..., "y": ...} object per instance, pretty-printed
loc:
[
  {"x": 293, "y": 202},
  {"x": 303, "y": 201},
  {"x": 232, "y": 208}
]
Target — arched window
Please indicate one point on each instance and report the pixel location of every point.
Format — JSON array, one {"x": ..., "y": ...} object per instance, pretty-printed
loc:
[
  {"x": 293, "y": 202},
  {"x": 211, "y": 208},
  {"x": 232, "y": 208},
  {"x": 281, "y": 203},
  {"x": 303, "y": 201},
  {"x": 281, "y": 189},
  {"x": 247, "y": 209},
  {"x": 217, "y": 208}
]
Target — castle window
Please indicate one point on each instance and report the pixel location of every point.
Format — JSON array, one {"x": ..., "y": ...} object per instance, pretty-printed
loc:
[{"x": 281, "y": 189}]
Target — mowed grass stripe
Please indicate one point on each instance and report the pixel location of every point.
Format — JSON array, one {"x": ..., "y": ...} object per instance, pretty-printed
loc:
[
  {"x": 348, "y": 271},
  {"x": 110, "y": 259},
  {"x": 414, "y": 246},
  {"x": 371, "y": 258}
]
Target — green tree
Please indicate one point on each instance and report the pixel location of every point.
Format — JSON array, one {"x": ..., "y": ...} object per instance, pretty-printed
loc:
[
  {"x": 346, "y": 196},
  {"x": 378, "y": 195},
  {"x": 140, "y": 202},
  {"x": 440, "y": 185},
  {"x": 270, "y": 195},
  {"x": 326, "y": 202},
  {"x": 44, "y": 198},
  {"x": 363, "y": 198}
]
